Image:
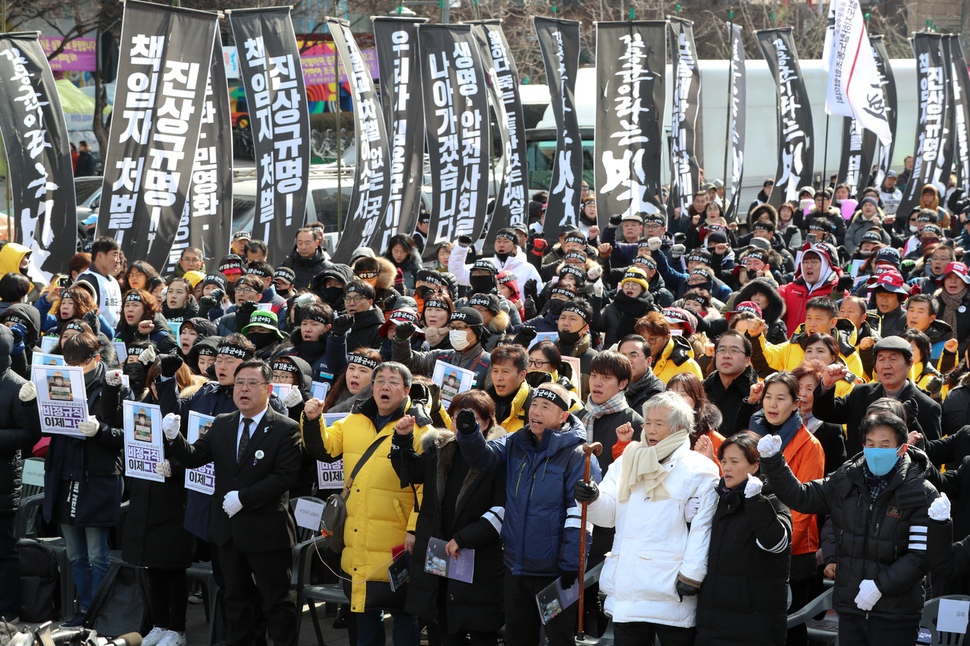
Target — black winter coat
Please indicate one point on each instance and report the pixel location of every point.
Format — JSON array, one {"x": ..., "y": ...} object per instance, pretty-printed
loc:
[
  {"x": 366, "y": 330},
  {"x": 728, "y": 400},
  {"x": 638, "y": 392},
  {"x": 743, "y": 598},
  {"x": 955, "y": 483},
  {"x": 305, "y": 268},
  {"x": 477, "y": 521},
  {"x": 883, "y": 539},
  {"x": 956, "y": 409},
  {"x": 620, "y": 316},
  {"x": 19, "y": 427}
]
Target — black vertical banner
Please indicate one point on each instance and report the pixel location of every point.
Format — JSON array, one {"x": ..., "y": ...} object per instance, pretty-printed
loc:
[
  {"x": 456, "y": 122},
  {"x": 736, "y": 122},
  {"x": 795, "y": 129},
  {"x": 269, "y": 63},
  {"x": 928, "y": 159},
  {"x": 850, "y": 165},
  {"x": 372, "y": 179},
  {"x": 960, "y": 117},
  {"x": 559, "y": 45},
  {"x": 685, "y": 169},
  {"x": 207, "y": 216},
  {"x": 157, "y": 114},
  {"x": 510, "y": 202},
  {"x": 630, "y": 62},
  {"x": 396, "y": 40},
  {"x": 888, "y": 81},
  {"x": 39, "y": 169}
]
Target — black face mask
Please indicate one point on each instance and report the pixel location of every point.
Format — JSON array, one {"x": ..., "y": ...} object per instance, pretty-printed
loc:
[
  {"x": 502, "y": 256},
  {"x": 333, "y": 294},
  {"x": 536, "y": 378},
  {"x": 556, "y": 305},
  {"x": 285, "y": 293},
  {"x": 262, "y": 339},
  {"x": 423, "y": 292},
  {"x": 569, "y": 338},
  {"x": 136, "y": 375},
  {"x": 482, "y": 284}
]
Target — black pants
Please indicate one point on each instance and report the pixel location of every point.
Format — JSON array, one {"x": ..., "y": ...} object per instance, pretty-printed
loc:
[
  {"x": 168, "y": 594},
  {"x": 9, "y": 568},
  {"x": 522, "y": 622},
  {"x": 857, "y": 630},
  {"x": 258, "y": 578},
  {"x": 804, "y": 571},
  {"x": 641, "y": 633}
]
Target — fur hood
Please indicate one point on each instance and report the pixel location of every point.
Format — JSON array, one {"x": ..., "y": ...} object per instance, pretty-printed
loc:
[
  {"x": 439, "y": 437},
  {"x": 776, "y": 304},
  {"x": 499, "y": 324},
  {"x": 388, "y": 272}
]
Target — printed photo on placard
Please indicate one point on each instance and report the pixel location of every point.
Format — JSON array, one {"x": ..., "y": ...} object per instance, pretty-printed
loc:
[
  {"x": 143, "y": 440},
  {"x": 452, "y": 380},
  {"x": 61, "y": 400},
  {"x": 48, "y": 343},
  {"x": 202, "y": 479},
  {"x": 42, "y": 359},
  {"x": 319, "y": 389},
  {"x": 330, "y": 475}
]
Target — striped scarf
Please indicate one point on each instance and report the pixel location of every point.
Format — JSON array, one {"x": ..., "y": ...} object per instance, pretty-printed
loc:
[{"x": 614, "y": 404}]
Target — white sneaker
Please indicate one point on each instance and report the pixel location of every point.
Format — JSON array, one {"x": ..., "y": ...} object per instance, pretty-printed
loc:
[
  {"x": 172, "y": 638},
  {"x": 154, "y": 636}
]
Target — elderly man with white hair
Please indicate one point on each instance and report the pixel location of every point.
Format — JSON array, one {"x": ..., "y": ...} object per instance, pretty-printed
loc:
[{"x": 659, "y": 495}]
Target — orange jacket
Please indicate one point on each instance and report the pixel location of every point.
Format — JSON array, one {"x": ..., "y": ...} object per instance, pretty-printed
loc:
[{"x": 806, "y": 458}]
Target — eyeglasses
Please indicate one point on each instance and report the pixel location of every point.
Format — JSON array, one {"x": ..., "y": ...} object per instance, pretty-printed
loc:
[
  {"x": 246, "y": 290},
  {"x": 654, "y": 340},
  {"x": 727, "y": 350},
  {"x": 535, "y": 363},
  {"x": 353, "y": 299},
  {"x": 248, "y": 384},
  {"x": 393, "y": 383}
]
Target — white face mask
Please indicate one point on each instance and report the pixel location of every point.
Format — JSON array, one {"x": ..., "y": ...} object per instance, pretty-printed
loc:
[
  {"x": 459, "y": 339},
  {"x": 913, "y": 228}
]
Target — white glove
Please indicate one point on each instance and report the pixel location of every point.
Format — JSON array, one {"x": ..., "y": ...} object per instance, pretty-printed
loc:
[
  {"x": 148, "y": 356},
  {"x": 868, "y": 595},
  {"x": 113, "y": 377},
  {"x": 753, "y": 488},
  {"x": 690, "y": 509},
  {"x": 28, "y": 392},
  {"x": 293, "y": 397},
  {"x": 164, "y": 468},
  {"x": 304, "y": 300},
  {"x": 678, "y": 250},
  {"x": 595, "y": 272},
  {"x": 231, "y": 504},
  {"x": 654, "y": 243},
  {"x": 171, "y": 425},
  {"x": 598, "y": 289},
  {"x": 940, "y": 508},
  {"x": 769, "y": 445},
  {"x": 90, "y": 427}
]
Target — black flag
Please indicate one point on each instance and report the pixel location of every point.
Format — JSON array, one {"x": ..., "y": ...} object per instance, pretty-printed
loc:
[
  {"x": 38, "y": 155},
  {"x": 795, "y": 129},
  {"x": 456, "y": 120},
  {"x": 888, "y": 82},
  {"x": 850, "y": 166},
  {"x": 629, "y": 118},
  {"x": 269, "y": 63},
  {"x": 960, "y": 118},
  {"x": 685, "y": 169},
  {"x": 165, "y": 58},
  {"x": 736, "y": 123},
  {"x": 559, "y": 45}
]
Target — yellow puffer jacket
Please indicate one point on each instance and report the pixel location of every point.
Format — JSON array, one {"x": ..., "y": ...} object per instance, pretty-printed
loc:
[
  {"x": 11, "y": 256},
  {"x": 789, "y": 355},
  {"x": 379, "y": 511},
  {"x": 677, "y": 357},
  {"x": 516, "y": 416}
]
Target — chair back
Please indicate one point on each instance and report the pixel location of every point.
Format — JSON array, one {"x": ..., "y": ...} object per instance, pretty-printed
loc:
[{"x": 955, "y": 609}]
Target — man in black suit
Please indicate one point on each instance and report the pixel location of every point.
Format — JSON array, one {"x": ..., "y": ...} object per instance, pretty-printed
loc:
[
  {"x": 256, "y": 453},
  {"x": 894, "y": 358}
]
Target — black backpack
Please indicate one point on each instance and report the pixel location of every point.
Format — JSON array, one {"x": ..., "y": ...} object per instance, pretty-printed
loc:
[
  {"x": 39, "y": 580},
  {"x": 121, "y": 603}
]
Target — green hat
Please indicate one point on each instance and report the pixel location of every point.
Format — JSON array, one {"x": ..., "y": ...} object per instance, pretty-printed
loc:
[{"x": 265, "y": 320}]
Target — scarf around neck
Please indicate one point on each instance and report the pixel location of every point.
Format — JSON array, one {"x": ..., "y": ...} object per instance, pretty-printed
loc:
[
  {"x": 614, "y": 404},
  {"x": 644, "y": 463},
  {"x": 952, "y": 303}
]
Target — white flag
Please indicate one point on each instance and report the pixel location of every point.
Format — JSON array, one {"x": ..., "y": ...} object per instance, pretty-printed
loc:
[{"x": 854, "y": 88}]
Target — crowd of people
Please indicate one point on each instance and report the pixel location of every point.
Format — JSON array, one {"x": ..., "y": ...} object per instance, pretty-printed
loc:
[{"x": 776, "y": 396}]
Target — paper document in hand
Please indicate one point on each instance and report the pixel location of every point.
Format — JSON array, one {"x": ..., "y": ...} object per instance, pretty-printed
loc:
[
  {"x": 438, "y": 562},
  {"x": 552, "y": 599}
]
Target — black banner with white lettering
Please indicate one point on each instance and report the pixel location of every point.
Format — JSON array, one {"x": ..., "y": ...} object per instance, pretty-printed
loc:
[
  {"x": 928, "y": 160},
  {"x": 888, "y": 82},
  {"x": 157, "y": 114},
  {"x": 850, "y": 164},
  {"x": 511, "y": 199},
  {"x": 630, "y": 62},
  {"x": 269, "y": 63},
  {"x": 960, "y": 117},
  {"x": 372, "y": 179},
  {"x": 38, "y": 155},
  {"x": 736, "y": 122},
  {"x": 796, "y": 136},
  {"x": 685, "y": 169},
  {"x": 207, "y": 217},
  {"x": 456, "y": 120},
  {"x": 559, "y": 46},
  {"x": 396, "y": 41}
]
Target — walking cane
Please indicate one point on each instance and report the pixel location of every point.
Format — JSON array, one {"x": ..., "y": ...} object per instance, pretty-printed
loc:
[{"x": 590, "y": 450}]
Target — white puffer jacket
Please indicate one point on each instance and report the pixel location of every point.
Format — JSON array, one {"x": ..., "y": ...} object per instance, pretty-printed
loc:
[{"x": 654, "y": 543}]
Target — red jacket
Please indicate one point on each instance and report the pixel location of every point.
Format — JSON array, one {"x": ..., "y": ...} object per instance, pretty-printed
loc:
[{"x": 796, "y": 296}]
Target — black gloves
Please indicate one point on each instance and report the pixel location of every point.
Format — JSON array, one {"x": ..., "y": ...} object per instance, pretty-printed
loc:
[
  {"x": 615, "y": 220},
  {"x": 845, "y": 283},
  {"x": 342, "y": 324},
  {"x": 525, "y": 336},
  {"x": 216, "y": 295},
  {"x": 911, "y": 406},
  {"x": 248, "y": 307},
  {"x": 465, "y": 241},
  {"x": 685, "y": 589},
  {"x": 404, "y": 331},
  {"x": 465, "y": 422},
  {"x": 586, "y": 491},
  {"x": 170, "y": 363},
  {"x": 531, "y": 288},
  {"x": 568, "y": 578}
]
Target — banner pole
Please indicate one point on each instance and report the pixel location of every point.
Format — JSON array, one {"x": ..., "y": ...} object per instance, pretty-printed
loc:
[
  {"x": 730, "y": 83},
  {"x": 825, "y": 155},
  {"x": 340, "y": 172}
]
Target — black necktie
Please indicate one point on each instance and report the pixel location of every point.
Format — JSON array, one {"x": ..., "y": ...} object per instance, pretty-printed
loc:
[{"x": 244, "y": 440}]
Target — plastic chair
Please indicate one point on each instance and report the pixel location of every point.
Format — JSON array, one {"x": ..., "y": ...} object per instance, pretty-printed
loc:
[
  {"x": 931, "y": 613},
  {"x": 826, "y": 630},
  {"x": 202, "y": 572},
  {"x": 306, "y": 593}
]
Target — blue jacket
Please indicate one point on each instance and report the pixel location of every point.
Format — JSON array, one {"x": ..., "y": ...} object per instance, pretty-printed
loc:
[{"x": 542, "y": 518}]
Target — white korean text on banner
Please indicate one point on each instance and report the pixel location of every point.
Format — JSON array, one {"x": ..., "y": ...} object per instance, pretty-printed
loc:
[
  {"x": 201, "y": 479},
  {"x": 736, "y": 123},
  {"x": 61, "y": 400},
  {"x": 330, "y": 475},
  {"x": 365, "y": 224},
  {"x": 795, "y": 129},
  {"x": 960, "y": 118},
  {"x": 888, "y": 83},
  {"x": 164, "y": 65},
  {"x": 38, "y": 155},
  {"x": 850, "y": 164},
  {"x": 269, "y": 60},
  {"x": 396, "y": 42},
  {"x": 683, "y": 116},
  {"x": 512, "y": 197},
  {"x": 559, "y": 45},
  {"x": 144, "y": 439},
  {"x": 456, "y": 122},
  {"x": 630, "y": 61},
  {"x": 929, "y": 158}
]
